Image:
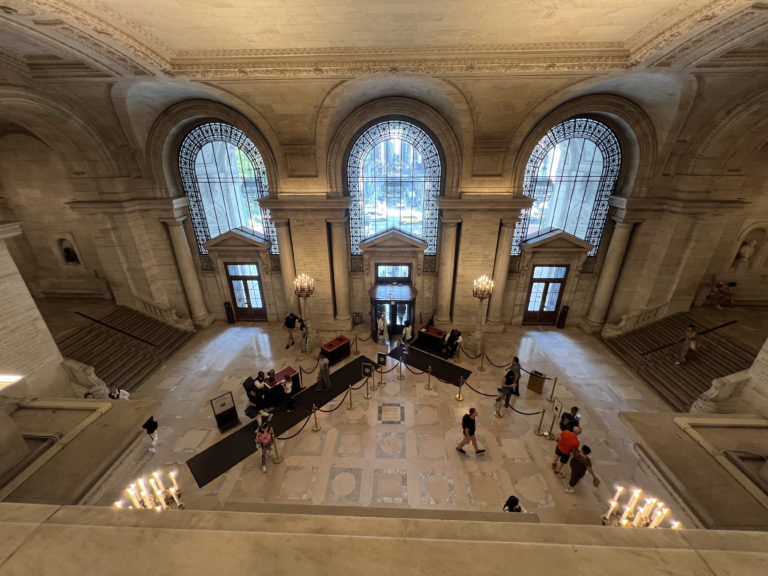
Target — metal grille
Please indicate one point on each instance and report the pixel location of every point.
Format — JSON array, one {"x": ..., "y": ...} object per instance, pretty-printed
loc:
[
  {"x": 394, "y": 179},
  {"x": 223, "y": 174},
  {"x": 570, "y": 175}
]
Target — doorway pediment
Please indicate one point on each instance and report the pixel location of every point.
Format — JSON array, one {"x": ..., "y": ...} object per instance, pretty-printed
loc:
[
  {"x": 394, "y": 246},
  {"x": 557, "y": 241}
]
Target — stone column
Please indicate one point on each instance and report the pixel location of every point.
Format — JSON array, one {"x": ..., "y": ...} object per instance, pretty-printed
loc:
[
  {"x": 445, "y": 278},
  {"x": 607, "y": 283},
  {"x": 287, "y": 264},
  {"x": 340, "y": 269},
  {"x": 500, "y": 270},
  {"x": 189, "y": 278}
]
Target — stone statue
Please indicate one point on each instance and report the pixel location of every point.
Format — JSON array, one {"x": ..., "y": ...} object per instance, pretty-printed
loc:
[
  {"x": 84, "y": 379},
  {"x": 744, "y": 256}
]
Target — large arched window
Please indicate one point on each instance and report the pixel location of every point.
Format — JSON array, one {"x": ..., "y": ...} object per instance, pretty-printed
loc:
[
  {"x": 570, "y": 174},
  {"x": 224, "y": 176},
  {"x": 394, "y": 179}
]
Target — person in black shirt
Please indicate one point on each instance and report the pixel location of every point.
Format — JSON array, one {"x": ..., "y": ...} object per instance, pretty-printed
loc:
[
  {"x": 468, "y": 429},
  {"x": 569, "y": 420},
  {"x": 290, "y": 325}
]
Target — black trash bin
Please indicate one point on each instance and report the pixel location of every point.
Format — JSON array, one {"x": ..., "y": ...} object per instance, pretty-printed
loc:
[
  {"x": 561, "y": 318},
  {"x": 230, "y": 312}
]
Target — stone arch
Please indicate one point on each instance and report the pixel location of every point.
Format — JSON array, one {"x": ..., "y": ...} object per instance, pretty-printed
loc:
[
  {"x": 77, "y": 141},
  {"x": 627, "y": 120},
  {"x": 175, "y": 123},
  {"x": 412, "y": 110}
]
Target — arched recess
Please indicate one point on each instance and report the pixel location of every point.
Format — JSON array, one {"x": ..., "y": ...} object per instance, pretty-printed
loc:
[
  {"x": 411, "y": 110},
  {"x": 174, "y": 124},
  {"x": 736, "y": 137},
  {"x": 627, "y": 120},
  {"x": 75, "y": 140}
]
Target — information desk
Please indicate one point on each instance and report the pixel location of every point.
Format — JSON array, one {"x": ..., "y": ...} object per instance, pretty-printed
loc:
[
  {"x": 431, "y": 340},
  {"x": 336, "y": 350},
  {"x": 274, "y": 384}
]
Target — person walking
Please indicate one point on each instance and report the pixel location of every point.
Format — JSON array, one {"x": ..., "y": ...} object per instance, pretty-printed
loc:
[
  {"x": 265, "y": 438},
  {"x": 567, "y": 442},
  {"x": 689, "y": 343},
  {"x": 304, "y": 329},
  {"x": 324, "y": 374},
  {"x": 510, "y": 383},
  {"x": 569, "y": 420},
  {"x": 383, "y": 329},
  {"x": 290, "y": 326},
  {"x": 580, "y": 465},
  {"x": 468, "y": 430}
]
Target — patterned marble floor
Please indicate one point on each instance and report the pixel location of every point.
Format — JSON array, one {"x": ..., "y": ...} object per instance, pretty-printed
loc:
[{"x": 398, "y": 448}]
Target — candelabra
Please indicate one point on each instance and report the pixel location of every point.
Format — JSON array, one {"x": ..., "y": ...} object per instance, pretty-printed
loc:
[
  {"x": 304, "y": 287},
  {"x": 153, "y": 494},
  {"x": 632, "y": 515},
  {"x": 482, "y": 290}
]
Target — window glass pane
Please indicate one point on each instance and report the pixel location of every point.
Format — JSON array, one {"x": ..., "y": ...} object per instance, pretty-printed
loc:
[
  {"x": 393, "y": 271},
  {"x": 239, "y": 289},
  {"x": 242, "y": 269},
  {"x": 254, "y": 294},
  {"x": 552, "y": 293},
  {"x": 570, "y": 174},
  {"x": 537, "y": 291},
  {"x": 394, "y": 178},
  {"x": 224, "y": 176}
]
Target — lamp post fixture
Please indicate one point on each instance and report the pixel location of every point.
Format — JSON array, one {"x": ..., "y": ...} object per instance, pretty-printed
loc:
[{"x": 482, "y": 290}]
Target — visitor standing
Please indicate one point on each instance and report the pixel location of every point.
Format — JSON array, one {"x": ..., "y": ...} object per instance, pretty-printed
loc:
[
  {"x": 689, "y": 343},
  {"x": 468, "y": 430},
  {"x": 324, "y": 374},
  {"x": 567, "y": 442},
  {"x": 290, "y": 326},
  {"x": 304, "y": 329},
  {"x": 510, "y": 383},
  {"x": 569, "y": 420},
  {"x": 265, "y": 438},
  {"x": 383, "y": 329}
]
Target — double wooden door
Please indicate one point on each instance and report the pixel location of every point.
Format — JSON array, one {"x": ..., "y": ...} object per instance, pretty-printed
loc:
[
  {"x": 246, "y": 290},
  {"x": 545, "y": 294}
]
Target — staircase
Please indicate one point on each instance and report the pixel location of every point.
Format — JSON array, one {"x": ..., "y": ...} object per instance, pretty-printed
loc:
[
  {"x": 653, "y": 349},
  {"x": 125, "y": 348}
]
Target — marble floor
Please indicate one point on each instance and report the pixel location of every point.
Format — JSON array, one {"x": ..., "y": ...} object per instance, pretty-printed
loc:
[{"x": 397, "y": 449}]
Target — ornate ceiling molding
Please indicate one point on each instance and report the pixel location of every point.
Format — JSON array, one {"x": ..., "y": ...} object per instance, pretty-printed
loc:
[{"x": 672, "y": 25}]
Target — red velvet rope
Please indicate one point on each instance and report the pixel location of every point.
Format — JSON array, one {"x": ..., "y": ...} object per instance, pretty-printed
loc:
[
  {"x": 545, "y": 377},
  {"x": 444, "y": 381},
  {"x": 478, "y": 391},
  {"x": 299, "y": 430},
  {"x": 313, "y": 369},
  {"x": 363, "y": 339},
  {"x": 387, "y": 371},
  {"x": 468, "y": 355},
  {"x": 337, "y": 406},
  {"x": 414, "y": 371},
  {"x": 494, "y": 364},
  {"x": 526, "y": 413}
]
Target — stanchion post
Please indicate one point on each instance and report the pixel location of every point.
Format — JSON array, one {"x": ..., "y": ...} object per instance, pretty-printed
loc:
[
  {"x": 277, "y": 458},
  {"x": 316, "y": 426},
  {"x": 367, "y": 394},
  {"x": 458, "y": 354},
  {"x": 381, "y": 376},
  {"x": 429, "y": 378},
  {"x": 458, "y": 396},
  {"x": 538, "y": 428},
  {"x": 551, "y": 396},
  {"x": 400, "y": 374},
  {"x": 356, "y": 352},
  {"x": 301, "y": 377},
  {"x": 351, "y": 406},
  {"x": 551, "y": 426},
  {"x": 482, "y": 362}
]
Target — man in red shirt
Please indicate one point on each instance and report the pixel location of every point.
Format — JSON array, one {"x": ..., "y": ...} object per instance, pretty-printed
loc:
[{"x": 567, "y": 442}]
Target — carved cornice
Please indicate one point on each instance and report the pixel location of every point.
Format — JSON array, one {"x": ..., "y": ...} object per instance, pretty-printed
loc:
[
  {"x": 501, "y": 203},
  {"x": 673, "y": 24},
  {"x": 164, "y": 208},
  {"x": 629, "y": 210}
]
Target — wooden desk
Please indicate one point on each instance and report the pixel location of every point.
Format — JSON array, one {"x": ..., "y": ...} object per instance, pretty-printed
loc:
[
  {"x": 431, "y": 340},
  {"x": 336, "y": 350},
  {"x": 276, "y": 392}
]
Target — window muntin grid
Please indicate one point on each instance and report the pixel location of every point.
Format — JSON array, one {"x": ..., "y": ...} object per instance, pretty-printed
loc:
[
  {"x": 394, "y": 179},
  {"x": 223, "y": 174},
  {"x": 570, "y": 175}
]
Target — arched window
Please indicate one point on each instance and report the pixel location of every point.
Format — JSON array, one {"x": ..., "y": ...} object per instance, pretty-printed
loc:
[
  {"x": 223, "y": 174},
  {"x": 394, "y": 179},
  {"x": 570, "y": 174}
]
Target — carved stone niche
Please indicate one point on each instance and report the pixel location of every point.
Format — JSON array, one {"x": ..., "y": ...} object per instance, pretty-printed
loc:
[
  {"x": 240, "y": 246},
  {"x": 556, "y": 248},
  {"x": 393, "y": 247}
]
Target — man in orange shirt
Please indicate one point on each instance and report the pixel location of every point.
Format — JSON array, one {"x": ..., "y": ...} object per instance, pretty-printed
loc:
[{"x": 567, "y": 442}]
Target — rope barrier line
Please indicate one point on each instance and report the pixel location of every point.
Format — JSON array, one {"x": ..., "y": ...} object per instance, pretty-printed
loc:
[
  {"x": 299, "y": 430},
  {"x": 358, "y": 388},
  {"x": 445, "y": 381},
  {"x": 526, "y": 413},
  {"x": 414, "y": 371},
  {"x": 363, "y": 339},
  {"x": 317, "y": 362},
  {"x": 492, "y": 363},
  {"x": 527, "y": 372},
  {"x": 468, "y": 355},
  {"x": 468, "y": 385},
  {"x": 388, "y": 371},
  {"x": 337, "y": 406}
]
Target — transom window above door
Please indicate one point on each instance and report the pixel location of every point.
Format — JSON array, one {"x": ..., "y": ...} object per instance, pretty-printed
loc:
[{"x": 393, "y": 273}]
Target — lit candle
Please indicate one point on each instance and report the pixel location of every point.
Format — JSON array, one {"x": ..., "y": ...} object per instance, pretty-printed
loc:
[
  {"x": 146, "y": 499},
  {"x": 624, "y": 515},
  {"x": 156, "y": 490},
  {"x": 633, "y": 500},
  {"x": 660, "y": 515},
  {"x": 641, "y": 514},
  {"x": 624, "y": 523},
  {"x": 611, "y": 509},
  {"x": 118, "y": 504},
  {"x": 676, "y": 526},
  {"x": 173, "y": 479},
  {"x": 159, "y": 482},
  {"x": 132, "y": 496},
  {"x": 619, "y": 490},
  {"x": 173, "y": 493}
]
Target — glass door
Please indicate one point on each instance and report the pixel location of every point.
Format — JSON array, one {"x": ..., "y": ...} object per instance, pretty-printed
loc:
[
  {"x": 545, "y": 294},
  {"x": 245, "y": 287}
]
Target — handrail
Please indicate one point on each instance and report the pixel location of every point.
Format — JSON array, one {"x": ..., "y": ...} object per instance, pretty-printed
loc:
[
  {"x": 116, "y": 329},
  {"x": 683, "y": 339}
]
